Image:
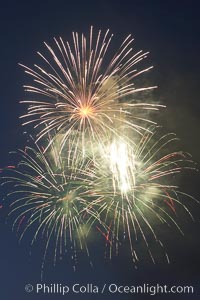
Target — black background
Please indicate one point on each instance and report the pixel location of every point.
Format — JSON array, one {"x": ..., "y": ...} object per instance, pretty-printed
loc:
[{"x": 170, "y": 31}]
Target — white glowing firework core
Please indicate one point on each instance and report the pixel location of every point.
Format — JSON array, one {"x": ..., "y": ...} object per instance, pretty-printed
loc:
[{"x": 122, "y": 166}]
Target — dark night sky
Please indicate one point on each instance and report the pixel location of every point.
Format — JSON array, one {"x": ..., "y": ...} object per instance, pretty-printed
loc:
[{"x": 170, "y": 30}]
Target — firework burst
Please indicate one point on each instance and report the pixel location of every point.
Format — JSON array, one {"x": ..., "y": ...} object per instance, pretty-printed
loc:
[
  {"x": 50, "y": 198},
  {"x": 141, "y": 189},
  {"x": 98, "y": 160},
  {"x": 84, "y": 98}
]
